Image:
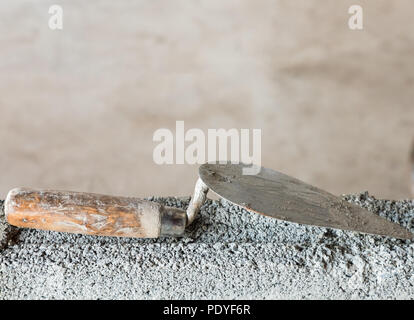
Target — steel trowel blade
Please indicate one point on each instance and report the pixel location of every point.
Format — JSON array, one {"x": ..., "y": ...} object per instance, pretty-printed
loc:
[{"x": 280, "y": 196}]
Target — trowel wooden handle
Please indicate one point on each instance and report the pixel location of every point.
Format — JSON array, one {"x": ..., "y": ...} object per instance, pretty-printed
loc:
[{"x": 93, "y": 214}]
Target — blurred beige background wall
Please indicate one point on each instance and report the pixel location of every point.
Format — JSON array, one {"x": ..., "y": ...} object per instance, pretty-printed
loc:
[{"x": 78, "y": 106}]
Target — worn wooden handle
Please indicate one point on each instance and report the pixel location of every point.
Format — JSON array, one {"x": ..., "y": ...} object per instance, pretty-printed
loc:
[{"x": 93, "y": 214}]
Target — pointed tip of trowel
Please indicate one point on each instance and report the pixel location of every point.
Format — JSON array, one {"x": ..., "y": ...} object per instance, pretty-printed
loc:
[
  {"x": 404, "y": 234},
  {"x": 371, "y": 223}
]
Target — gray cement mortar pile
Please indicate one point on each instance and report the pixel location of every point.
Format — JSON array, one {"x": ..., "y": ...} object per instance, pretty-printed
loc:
[{"x": 228, "y": 253}]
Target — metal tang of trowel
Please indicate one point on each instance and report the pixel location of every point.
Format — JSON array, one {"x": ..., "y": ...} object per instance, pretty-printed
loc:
[{"x": 270, "y": 193}]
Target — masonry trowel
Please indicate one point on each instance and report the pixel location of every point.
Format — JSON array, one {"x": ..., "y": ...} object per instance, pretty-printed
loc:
[{"x": 269, "y": 192}]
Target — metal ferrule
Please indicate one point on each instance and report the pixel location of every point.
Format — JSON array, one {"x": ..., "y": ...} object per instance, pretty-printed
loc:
[{"x": 173, "y": 222}]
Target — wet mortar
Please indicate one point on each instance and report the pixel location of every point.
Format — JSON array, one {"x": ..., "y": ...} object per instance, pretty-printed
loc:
[{"x": 228, "y": 253}]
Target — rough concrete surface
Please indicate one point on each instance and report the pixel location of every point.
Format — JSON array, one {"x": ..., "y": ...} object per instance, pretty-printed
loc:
[{"x": 228, "y": 253}]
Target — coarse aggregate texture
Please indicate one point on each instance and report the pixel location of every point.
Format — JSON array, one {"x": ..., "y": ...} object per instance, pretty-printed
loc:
[{"x": 227, "y": 253}]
